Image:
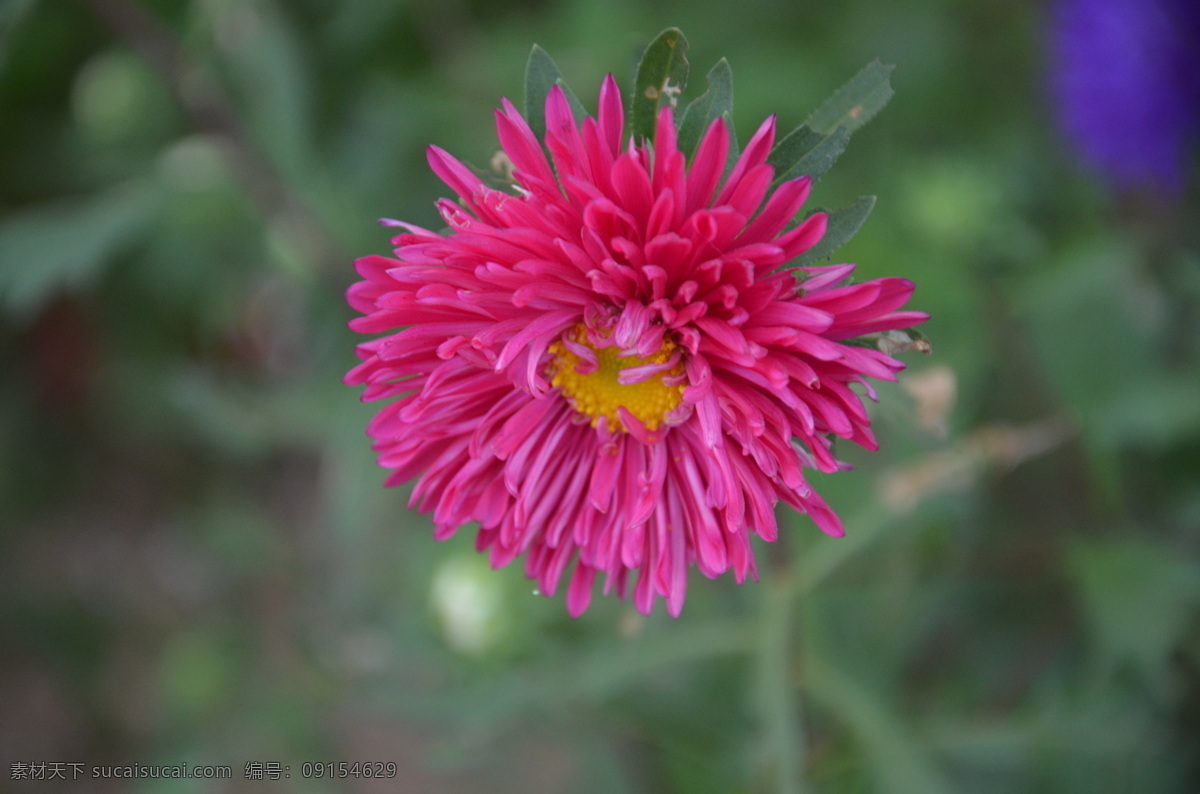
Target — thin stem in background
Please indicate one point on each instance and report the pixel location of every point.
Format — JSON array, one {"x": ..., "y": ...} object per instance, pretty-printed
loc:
[
  {"x": 211, "y": 113},
  {"x": 779, "y": 701}
]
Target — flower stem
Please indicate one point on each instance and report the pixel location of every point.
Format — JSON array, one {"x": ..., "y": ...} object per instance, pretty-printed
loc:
[{"x": 779, "y": 699}]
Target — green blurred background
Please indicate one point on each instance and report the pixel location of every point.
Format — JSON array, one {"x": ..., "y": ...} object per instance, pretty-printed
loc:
[{"x": 199, "y": 563}]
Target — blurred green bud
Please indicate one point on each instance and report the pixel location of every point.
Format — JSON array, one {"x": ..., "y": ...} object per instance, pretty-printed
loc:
[
  {"x": 468, "y": 599},
  {"x": 116, "y": 98}
]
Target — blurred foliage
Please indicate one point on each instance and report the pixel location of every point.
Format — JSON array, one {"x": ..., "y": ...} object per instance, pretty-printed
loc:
[{"x": 200, "y": 564}]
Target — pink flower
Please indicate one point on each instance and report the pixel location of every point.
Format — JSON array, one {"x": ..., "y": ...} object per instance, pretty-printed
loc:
[{"x": 608, "y": 370}]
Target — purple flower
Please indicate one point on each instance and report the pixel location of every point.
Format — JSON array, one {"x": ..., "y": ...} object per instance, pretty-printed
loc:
[{"x": 1125, "y": 81}]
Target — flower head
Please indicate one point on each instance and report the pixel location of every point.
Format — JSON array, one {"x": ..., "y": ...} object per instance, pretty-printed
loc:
[
  {"x": 606, "y": 367},
  {"x": 1126, "y": 85}
]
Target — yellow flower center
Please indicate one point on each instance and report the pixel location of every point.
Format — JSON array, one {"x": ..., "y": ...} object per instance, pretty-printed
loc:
[{"x": 598, "y": 393}]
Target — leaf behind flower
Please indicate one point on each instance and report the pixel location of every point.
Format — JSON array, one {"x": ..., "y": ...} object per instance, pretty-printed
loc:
[
  {"x": 542, "y": 74},
  {"x": 702, "y": 111},
  {"x": 661, "y": 76},
  {"x": 843, "y": 225},
  {"x": 856, "y": 102}
]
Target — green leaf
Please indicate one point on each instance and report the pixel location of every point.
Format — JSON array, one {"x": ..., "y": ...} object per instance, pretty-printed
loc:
[
  {"x": 704, "y": 109},
  {"x": 794, "y": 160},
  {"x": 843, "y": 225},
  {"x": 856, "y": 102},
  {"x": 1138, "y": 596},
  {"x": 822, "y": 156},
  {"x": 63, "y": 246},
  {"x": 541, "y": 74},
  {"x": 793, "y": 146},
  {"x": 662, "y": 74}
]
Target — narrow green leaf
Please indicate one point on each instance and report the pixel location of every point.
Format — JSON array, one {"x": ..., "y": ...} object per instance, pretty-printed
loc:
[
  {"x": 797, "y": 143},
  {"x": 843, "y": 224},
  {"x": 823, "y": 155},
  {"x": 856, "y": 102},
  {"x": 541, "y": 74},
  {"x": 704, "y": 109},
  {"x": 817, "y": 160},
  {"x": 662, "y": 74}
]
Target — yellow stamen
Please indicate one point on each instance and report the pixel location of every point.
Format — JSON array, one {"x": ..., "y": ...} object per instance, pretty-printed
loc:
[{"x": 598, "y": 393}]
